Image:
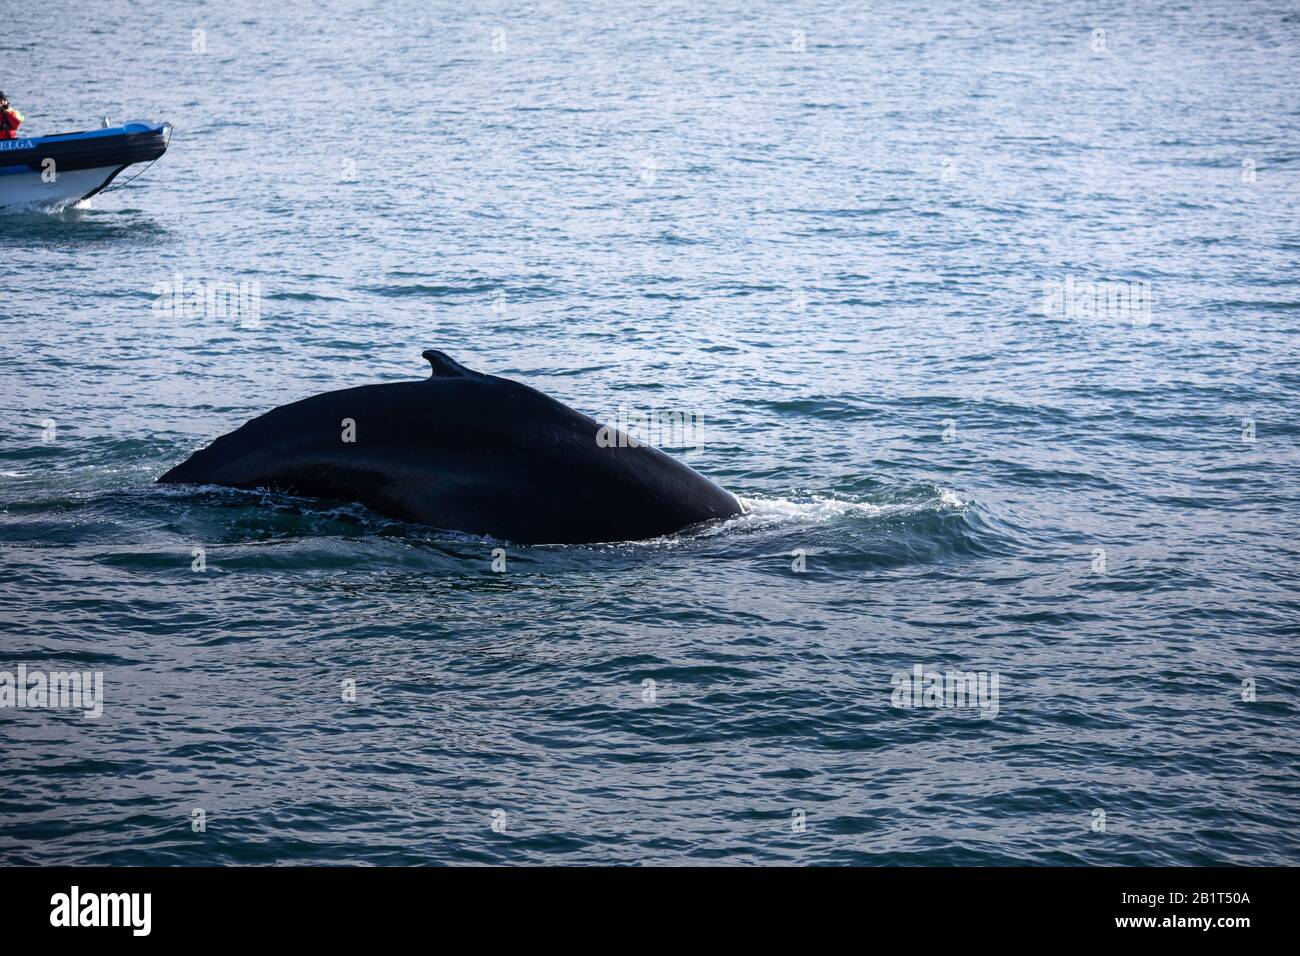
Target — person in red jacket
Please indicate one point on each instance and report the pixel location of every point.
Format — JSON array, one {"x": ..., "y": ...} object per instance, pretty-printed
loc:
[{"x": 10, "y": 119}]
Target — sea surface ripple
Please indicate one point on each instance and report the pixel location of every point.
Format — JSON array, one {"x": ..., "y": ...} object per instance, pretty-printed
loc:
[{"x": 829, "y": 232}]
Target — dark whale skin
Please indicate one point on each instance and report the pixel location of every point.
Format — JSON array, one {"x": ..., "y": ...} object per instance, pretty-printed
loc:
[{"x": 467, "y": 452}]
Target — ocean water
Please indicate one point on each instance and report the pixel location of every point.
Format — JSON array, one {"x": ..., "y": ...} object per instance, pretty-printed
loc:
[{"x": 992, "y": 320}]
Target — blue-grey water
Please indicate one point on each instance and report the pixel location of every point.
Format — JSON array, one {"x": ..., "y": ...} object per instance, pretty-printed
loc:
[{"x": 842, "y": 238}]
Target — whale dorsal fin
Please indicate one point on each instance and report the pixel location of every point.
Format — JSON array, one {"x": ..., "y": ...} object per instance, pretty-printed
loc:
[{"x": 444, "y": 366}]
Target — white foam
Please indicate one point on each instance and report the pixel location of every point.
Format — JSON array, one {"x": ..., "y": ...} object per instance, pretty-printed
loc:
[
  {"x": 817, "y": 509},
  {"x": 762, "y": 513}
]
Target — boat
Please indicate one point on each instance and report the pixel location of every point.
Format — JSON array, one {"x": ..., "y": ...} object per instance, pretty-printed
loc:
[{"x": 56, "y": 171}]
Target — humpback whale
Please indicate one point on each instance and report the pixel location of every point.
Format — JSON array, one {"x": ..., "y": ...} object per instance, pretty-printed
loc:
[{"x": 464, "y": 451}]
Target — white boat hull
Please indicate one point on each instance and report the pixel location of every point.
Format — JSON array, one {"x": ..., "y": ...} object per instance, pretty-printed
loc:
[{"x": 28, "y": 189}]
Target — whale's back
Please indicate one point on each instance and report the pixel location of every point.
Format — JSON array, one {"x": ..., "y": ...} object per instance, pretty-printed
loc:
[{"x": 468, "y": 452}]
